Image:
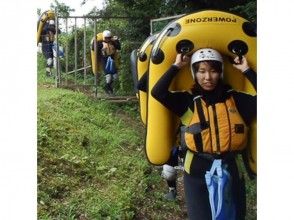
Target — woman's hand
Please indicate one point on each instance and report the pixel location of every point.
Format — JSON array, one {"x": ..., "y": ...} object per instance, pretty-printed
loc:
[
  {"x": 241, "y": 65},
  {"x": 181, "y": 60}
]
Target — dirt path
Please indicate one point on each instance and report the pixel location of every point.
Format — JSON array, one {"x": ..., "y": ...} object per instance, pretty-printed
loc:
[{"x": 181, "y": 197}]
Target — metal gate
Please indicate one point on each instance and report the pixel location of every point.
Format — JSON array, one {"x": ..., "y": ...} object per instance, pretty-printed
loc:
[{"x": 72, "y": 77}]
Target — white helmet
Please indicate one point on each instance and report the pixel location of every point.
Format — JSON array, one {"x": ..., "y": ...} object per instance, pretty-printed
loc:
[
  {"x": 205, "y": 54},
  {"x": 51, "y": 22},
  {"x": 106, "y": 33},
  {"x": 168, "y": 172}
]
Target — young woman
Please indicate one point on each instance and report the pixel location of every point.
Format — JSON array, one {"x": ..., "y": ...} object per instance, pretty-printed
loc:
[{"x": 215, "y": 120}]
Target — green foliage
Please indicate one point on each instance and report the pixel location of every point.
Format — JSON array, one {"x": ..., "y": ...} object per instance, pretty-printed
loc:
[
  {"x": 39, "y": 12},
  {"x": 41, "y": 77},
  {"x": 68, "y": 41},
  {"x": 157, "y": 26},
  {"x": 62, "y": 9},
  {"x": 250, "y": 185},
  {"x": 247, "y": 10}
]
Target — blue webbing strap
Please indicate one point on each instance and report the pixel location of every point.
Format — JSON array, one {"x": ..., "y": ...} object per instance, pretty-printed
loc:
[
  {"x": 216, "y": 166},
  {"x": 110, "y": 66}
]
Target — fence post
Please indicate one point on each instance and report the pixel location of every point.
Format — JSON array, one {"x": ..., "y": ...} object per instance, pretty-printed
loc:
[
  {"x": 76, "y": 51},
  {"x": 95, "y": 51},
  {"x": 85, "y": 60},
  {"x": 66, "y": 51},
  {"x": 57, "y": 74}
]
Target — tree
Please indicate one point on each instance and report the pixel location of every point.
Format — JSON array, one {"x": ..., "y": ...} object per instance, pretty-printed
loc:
[
  {"x": 39, "y": 12},
  {"x": 62, "y": 9},
  {"x": 247, "y": 10}
]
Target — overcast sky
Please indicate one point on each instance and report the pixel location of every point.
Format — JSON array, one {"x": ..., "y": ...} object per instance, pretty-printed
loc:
[{"x": 75, "y": 4}]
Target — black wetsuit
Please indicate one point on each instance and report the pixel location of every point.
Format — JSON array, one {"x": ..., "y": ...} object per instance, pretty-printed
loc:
[
  {"x": 196, "y": 193},
  {"x": 47, "y": 37}
]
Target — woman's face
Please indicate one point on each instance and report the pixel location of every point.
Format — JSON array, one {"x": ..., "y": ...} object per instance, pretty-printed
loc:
[
  {"x": 107, "y": 39},
  {"x": 206, "y": 76}
]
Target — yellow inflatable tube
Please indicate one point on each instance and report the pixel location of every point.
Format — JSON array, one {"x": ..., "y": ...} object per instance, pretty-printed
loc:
[
  {"x": 142, "y": 69},
  {"x": 96, "y": 65},
  {"x": 134, "y": 70},
  {"x": 229, "y": 34},
  {"x": 47, "y": 15}
]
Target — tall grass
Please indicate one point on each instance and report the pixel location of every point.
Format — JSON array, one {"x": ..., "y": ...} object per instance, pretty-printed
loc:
[{"x": 90, "y": 159}]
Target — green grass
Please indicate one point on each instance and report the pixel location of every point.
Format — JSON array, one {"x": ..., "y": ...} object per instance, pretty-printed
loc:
[
  {"x": 82, "y": 150},
  {"x": 91, "y": 161},
  {"x": 42, "y": 78}
]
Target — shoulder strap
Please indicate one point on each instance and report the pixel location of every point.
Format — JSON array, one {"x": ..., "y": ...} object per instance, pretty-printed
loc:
[
  {"x": 203, "y": 123},
  {"x": 200, "y": 112}
]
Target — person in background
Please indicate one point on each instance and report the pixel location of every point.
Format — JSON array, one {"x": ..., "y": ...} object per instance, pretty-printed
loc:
[
  {"x": 169, "y": 173},
  {"x": 216, "y": 120},
  {"x": 47, "y": 40},
  {"x": 107, "y": 54}
]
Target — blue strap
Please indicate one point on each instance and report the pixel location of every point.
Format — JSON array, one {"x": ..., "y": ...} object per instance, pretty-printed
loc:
[
  {"x": 210, "y": 187},
  {"x": 218, "y": 181},
  {"x": 220, "y": 190},
  {"x": 60, "y": 52},
  {"x": 110, "y": 66},
  {"x": 216, "y": 167}
]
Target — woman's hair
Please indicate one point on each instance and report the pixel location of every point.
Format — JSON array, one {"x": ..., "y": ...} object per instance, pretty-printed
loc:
[{"x": 216, "y": 65}]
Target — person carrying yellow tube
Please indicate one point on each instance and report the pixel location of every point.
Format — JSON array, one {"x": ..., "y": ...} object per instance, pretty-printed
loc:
[
  {"x": 47, "y": 40},
  {"x": 215, "y": 120},
  {"x": 107, "y": 50}
]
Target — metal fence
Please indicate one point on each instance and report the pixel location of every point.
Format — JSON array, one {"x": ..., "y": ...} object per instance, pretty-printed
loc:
[
  {"x": 62, "y": 77},
  {"x": 72, "y": 77},
  {"x": 81, "y": 76},
  {"x": 164, "y": 21}
]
